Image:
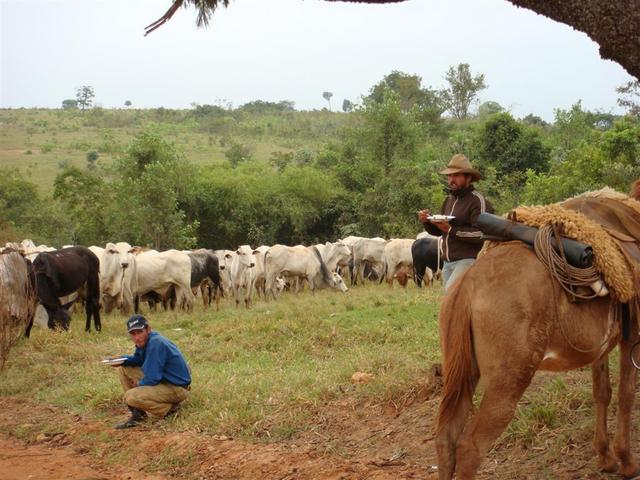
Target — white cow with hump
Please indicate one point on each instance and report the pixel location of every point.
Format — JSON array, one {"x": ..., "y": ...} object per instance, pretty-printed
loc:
[
  {"x": 398, "y": 261},
  {"x": 117, "y": 276},
  {"x": 160, "y": 271},
  {"x": 371, "y": 251},
  {"x": 243, "y": 274},
  {"x": 335, "y": 255},
  {"x": 299, "y": 261}
]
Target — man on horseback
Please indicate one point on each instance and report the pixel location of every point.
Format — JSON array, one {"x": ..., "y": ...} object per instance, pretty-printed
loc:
[{"x": 462, "y": 240}]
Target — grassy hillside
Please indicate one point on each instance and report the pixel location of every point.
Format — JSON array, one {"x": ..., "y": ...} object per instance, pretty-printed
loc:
[{"x": 40, "y": 143}]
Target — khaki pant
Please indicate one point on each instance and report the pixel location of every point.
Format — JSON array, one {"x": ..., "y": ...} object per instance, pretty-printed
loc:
[{"x": 156, "y": 400}]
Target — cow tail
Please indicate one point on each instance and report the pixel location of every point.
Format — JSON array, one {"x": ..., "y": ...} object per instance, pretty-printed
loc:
[
  {"x": 326, "y": 276},
  {"x": 385, "y": 267}
]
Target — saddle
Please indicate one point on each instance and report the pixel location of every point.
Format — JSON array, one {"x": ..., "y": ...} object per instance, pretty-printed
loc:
[{"x": 604, "y": 223}]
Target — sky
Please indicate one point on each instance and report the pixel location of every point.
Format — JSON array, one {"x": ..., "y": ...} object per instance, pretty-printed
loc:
[{"x": 294, "y": 50}]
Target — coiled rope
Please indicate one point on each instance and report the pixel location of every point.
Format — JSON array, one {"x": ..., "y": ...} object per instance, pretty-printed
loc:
[{"x": 570, "y": 277}]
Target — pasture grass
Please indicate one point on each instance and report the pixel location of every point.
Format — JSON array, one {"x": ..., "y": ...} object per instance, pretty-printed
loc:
[
  {"x": 40, "y": 142},
  {"x": 259, "y": 373}
]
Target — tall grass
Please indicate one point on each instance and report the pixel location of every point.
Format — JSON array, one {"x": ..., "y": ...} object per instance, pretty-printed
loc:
[{"x": 260, "y": 372}]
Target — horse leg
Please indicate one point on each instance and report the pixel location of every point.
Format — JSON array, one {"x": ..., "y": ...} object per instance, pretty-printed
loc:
[
  {"x": 447, "y": 438},
  {"x": 496, "y": 410},
  {"x": 626, "y": 394},
  {"x": 602, "y": 397}
]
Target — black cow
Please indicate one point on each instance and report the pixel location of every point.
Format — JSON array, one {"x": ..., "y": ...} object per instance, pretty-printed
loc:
[
  {"x": 206, "y": 266},
  {"x": 425, "y": 254},
  {"x": 63, "y": 272}
]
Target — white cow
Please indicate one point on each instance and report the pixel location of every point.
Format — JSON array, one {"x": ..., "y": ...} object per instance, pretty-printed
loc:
[
  {"x": 303, "y": 262},
  {"x": 261, "y": 280},
  {"x": 398, "y": 261},
  {"x": 225, "y": 258},
  {"x": 160, "y": 271},
  {"x": 243, "y": 274},
  {"x": 350, "y": 242},
  {"x": 371, "y": 251},
  {"x": 335, "y": 255},
  {"x": 118, "y": 276}
]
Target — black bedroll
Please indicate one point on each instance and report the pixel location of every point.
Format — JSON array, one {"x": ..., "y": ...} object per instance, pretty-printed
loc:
[{"x": 577, "y": 254}]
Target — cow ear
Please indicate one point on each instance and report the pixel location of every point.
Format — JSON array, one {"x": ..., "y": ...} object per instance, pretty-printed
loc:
[{"x": 67, "y": 306}]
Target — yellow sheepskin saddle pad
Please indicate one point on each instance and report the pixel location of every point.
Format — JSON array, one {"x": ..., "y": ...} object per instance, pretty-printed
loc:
[{"x": 607, "y": 220}]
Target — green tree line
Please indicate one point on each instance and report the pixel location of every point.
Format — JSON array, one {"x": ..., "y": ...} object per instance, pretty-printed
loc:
[{"x": 368, "y": 176}]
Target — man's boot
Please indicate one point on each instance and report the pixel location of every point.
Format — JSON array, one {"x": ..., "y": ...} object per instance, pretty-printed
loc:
[{"x": 136, "y": 417}]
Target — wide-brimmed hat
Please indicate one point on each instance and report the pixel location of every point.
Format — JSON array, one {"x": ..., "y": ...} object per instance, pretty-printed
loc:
[{"x": 461, "y": 164}]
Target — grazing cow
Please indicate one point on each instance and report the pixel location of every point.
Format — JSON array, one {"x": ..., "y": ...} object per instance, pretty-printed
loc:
[
  {"x": 303, "y": 262},
  {"x": 159, "y": 272},
  {"x": 397, "y": 259},
  {"x": 243, "y": 274},
  {"x": 427, "y": 254},
  {"x": 63, "y": 272},
  {"x": 368, "y": 250},
  {"x": 335, "y": 255},
  {"x": 205, "y": 270}
]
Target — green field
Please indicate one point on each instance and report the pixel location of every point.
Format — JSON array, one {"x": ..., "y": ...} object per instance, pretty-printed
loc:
[{"x": 268, "y": 365}]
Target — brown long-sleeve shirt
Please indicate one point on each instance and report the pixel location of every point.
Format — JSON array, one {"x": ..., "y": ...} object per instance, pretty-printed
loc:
[{"x": 464, "y": 240}]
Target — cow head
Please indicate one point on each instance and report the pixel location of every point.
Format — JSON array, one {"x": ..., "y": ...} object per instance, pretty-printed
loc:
[
  {"x": 117, "y": 259},
  {"x": 59, "y": 318},
  {"x": 246, "y": 256},
  {"x": 337, "y": 282}
]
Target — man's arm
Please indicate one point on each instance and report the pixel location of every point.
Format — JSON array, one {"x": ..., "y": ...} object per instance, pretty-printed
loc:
[
  {"x": 134, "y": 360},
  {"x": 435, "y": 229},
  {"x": 153, "y": 366}
]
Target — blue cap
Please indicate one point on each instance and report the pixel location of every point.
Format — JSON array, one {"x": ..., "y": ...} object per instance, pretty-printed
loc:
[{"x": 136, "y": 322}]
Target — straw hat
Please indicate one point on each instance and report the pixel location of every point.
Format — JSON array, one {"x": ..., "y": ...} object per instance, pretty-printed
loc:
[{"x": 460, "y": 164}]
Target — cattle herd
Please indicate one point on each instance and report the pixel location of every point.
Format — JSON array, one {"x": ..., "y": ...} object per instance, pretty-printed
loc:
[{"x": 120, "y": 276}]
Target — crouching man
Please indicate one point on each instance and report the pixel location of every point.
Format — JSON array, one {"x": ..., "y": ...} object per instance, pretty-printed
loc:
[{"x": 156, "y": 378}]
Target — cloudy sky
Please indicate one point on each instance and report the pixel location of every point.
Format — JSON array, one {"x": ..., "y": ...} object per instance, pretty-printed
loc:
[{"x": 294, "y": 50}]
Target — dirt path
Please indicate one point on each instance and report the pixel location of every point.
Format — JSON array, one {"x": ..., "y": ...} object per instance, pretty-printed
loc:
[{"x": 345, "y": 441}]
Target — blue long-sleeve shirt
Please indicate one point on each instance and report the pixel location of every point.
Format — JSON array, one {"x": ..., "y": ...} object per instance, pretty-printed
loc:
[{"x": 161, "y": 361}]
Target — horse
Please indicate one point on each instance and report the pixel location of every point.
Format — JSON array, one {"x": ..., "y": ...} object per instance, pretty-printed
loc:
[
  {"x": 500, "y": 323},
  {"x": 63, "y": 272}
]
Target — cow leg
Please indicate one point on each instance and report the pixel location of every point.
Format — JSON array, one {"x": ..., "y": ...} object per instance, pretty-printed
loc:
[
  {"x": 27, "y": 332},
  {"x": 601, "y": 386},
  {"x": 92, "y": 309},
  {"x": 626, "y": 394}
]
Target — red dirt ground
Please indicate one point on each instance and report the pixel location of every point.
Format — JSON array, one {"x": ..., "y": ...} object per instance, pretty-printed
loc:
[{"x": 345, "y": 441}]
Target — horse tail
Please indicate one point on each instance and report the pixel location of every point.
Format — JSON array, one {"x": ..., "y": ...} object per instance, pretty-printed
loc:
[{"x": 459, "y": 369}]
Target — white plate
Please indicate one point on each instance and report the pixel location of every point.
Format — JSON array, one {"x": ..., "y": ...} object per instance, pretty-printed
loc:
[
  {"x": 113, "y": 361},
  {"x": 440, "y": 218}
]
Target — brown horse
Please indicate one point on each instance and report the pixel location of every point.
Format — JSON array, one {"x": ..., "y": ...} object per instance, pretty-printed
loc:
[{"x": 504, "y": 320}]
